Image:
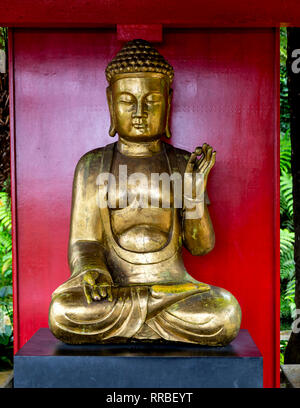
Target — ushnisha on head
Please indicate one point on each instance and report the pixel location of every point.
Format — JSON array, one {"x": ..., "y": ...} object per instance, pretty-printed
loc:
[
  {"x": 138, "y": 56},
  {"x": 139, "y": 93}
]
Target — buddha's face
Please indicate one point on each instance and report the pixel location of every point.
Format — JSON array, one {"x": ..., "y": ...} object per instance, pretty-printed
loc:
[{"x": 139, "y": 106}]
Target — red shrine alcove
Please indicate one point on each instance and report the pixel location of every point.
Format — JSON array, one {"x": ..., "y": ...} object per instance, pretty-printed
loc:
[{"x": 226, "y": 93}]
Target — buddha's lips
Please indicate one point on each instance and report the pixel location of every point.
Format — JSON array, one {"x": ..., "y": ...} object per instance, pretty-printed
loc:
[{"x": 140, "y": 126}]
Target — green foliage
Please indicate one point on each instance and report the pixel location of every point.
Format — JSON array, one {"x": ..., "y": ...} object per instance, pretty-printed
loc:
[
  {"x": 3, "y": 38},
  {"x": 283, "y": 46},
  {"x": 284, "y": 102},
  {"x": 287, "y": 274},
  {"x": 286, "y": 197},
  {"x": 5, "y": 240},
  {"x": 6, "y": 302},
  {"x": 286, "y": 185},
  {"x": 289, "y": 296},
  {"x": 285, "y": 152},
  {"x": 287, "y": 235},
  {"x": 287, "y": 263},
  {"x": 283, "y": 344}
]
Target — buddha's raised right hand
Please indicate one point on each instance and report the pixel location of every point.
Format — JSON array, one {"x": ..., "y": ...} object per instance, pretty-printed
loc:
[
  {"x": 97, "y": 285},
  {"x": 204, "y": 164}
]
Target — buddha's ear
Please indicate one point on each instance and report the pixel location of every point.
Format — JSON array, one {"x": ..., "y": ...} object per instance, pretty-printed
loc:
[
  {"x": 168, "y": 132},
  {"x": 112, "y": 130}
]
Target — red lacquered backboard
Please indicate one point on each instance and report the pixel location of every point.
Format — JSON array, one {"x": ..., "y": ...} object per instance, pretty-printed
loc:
[
  {"x": 170, "y": 13},
  {"x": 225, "y": 93}
]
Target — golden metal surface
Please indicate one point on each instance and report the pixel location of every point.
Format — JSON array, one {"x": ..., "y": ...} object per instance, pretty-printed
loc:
[{"x": 128, "y": 280}]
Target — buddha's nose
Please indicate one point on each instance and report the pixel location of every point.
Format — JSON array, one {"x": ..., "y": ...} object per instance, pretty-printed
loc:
[{"x": 139, "y": 112}]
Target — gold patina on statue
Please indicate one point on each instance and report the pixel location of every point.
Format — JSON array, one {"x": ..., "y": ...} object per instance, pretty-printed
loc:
[{"x": 128, "y": 281}]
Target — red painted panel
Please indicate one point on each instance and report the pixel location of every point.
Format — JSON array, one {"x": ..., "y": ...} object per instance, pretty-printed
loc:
[
  {"x": 188, "y": 13},
  {"x": 224, "y": 94},
  {"x": 150, "y": 32}
]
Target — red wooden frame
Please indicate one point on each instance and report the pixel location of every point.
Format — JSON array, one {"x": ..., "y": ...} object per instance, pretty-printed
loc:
[
  {"x": 170, "y": 13},
  {"x": 148, "y": 32}
]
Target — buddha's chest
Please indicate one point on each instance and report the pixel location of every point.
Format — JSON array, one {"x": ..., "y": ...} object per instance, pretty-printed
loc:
[
  {"x": 140, "y": 182},
  {"x": 140, "y": 202}
]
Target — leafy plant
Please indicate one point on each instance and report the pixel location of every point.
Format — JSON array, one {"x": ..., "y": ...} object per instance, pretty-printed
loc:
[
  {"x": 283, "y": 344},
  {"x": 287, "y": 235},
  {"x": 3, "y": 37},
  {"x": 287, "y": 274},
  {"x": 286, "y": 195},
  {"x": 6, "y": 302},
  {"x": 287, "y": 263},
  {"x": 285, "y": 153},
  {"x": 284, "y": 103},
  {"x": 289, "y": 296}
]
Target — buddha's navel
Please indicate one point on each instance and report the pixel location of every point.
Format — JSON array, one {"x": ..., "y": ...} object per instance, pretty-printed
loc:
[{"x": 143, "y": 239}]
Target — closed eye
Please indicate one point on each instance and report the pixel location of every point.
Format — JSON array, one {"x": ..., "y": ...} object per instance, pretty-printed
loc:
[
  {"x": 127, "y": 102},
  {"x": 153, "y": 98},
  {"x": 126, "y": 98}
]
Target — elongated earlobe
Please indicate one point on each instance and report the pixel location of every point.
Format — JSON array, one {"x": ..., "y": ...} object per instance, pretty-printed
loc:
[
  {"x": 168, "y": 133},
  {"x": 112, "y": 129}
]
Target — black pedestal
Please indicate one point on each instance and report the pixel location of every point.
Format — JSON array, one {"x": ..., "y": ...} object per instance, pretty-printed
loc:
[{"x": 45, "y": 362}]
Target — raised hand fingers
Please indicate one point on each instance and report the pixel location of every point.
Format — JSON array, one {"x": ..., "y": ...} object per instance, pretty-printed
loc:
[
  {"x": 193, "y": 160},
  {"x": 206, "y": 159},
  {"x": 212, "y": 160}
]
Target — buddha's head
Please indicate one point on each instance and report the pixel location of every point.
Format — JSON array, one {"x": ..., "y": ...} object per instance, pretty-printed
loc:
[{"x": 139, "y": 93}]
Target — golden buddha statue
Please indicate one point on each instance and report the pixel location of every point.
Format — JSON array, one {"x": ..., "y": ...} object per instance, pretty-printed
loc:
[{"x": 128, "y": 281}]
